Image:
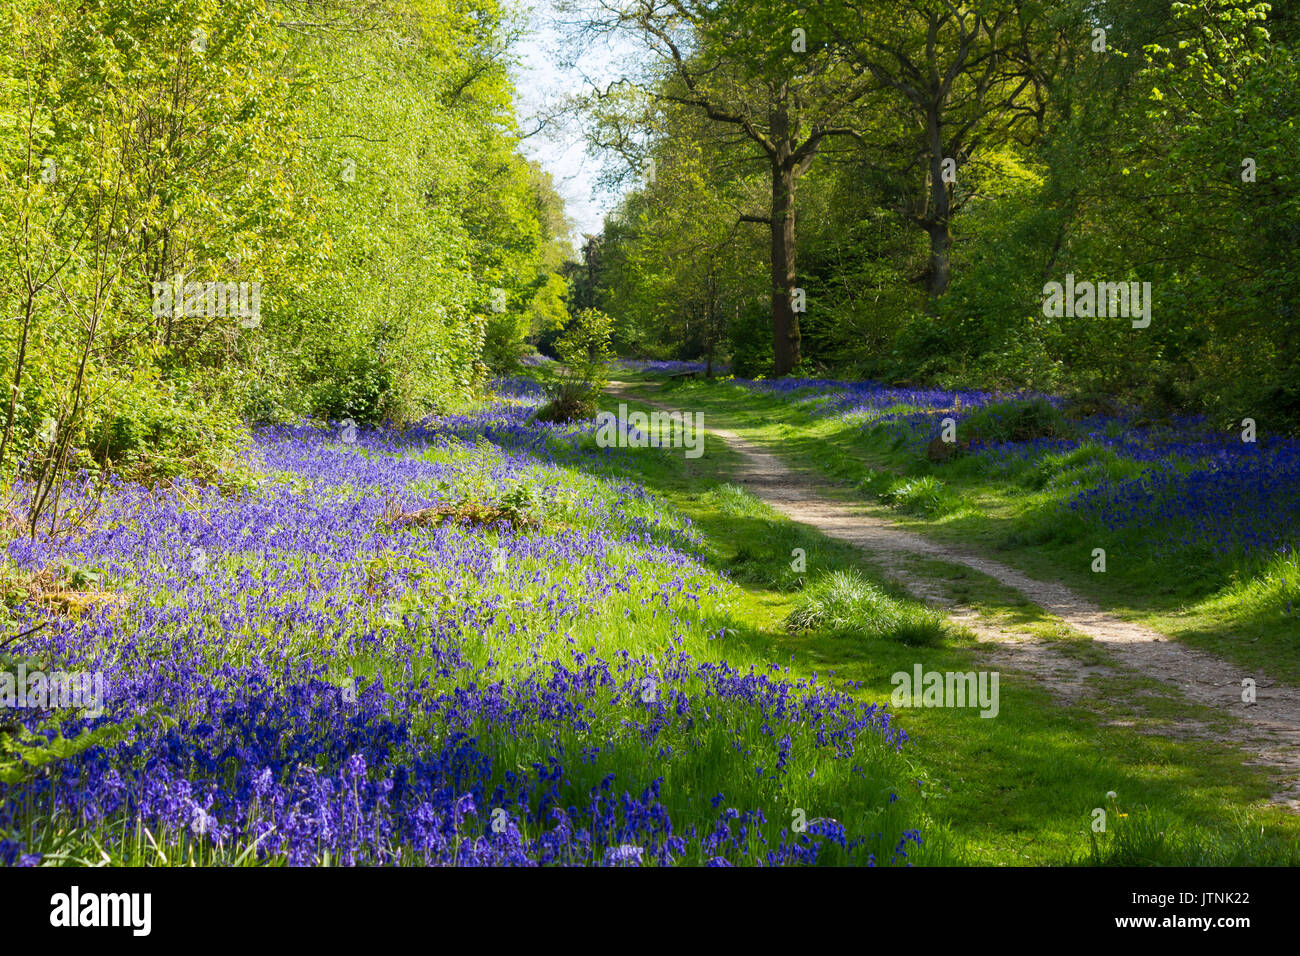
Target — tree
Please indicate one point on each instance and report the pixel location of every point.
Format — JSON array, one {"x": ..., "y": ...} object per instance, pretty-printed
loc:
[
  {"x": 750, "y": 68},
  {"x": 964, "y": 79},
  {"x": 356, "y": 163},
  {"x": 678, "y": 262}
]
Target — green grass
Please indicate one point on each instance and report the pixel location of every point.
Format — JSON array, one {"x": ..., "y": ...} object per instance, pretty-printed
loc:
[
  {"x": 844, "y": 604},
  {"x": 1235, "y": 608},
  {"x": 508, "y": 629},
  {"x": 924, "y": 495},
  {"x": 1017, "y": 789}
]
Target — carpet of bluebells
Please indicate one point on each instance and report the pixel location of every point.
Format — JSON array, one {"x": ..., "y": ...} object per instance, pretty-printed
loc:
[
  {"x": 671, "y": 366},
  {"x": 294, "y": 677},
  {"x": 1199, "y": 488}
]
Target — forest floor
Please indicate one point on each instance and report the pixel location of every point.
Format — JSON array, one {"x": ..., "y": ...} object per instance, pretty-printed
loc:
[
  {"x": 407, "y": 634},
  {"x": 1077, "y": 651}
]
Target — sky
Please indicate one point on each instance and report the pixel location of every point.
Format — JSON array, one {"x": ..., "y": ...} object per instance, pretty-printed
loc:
[{"x": 542, "y": 81}]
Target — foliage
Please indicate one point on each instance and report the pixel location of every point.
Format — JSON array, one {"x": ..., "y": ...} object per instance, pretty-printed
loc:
[
  {"x": 1024, "y": 420},
  {"x": 924, "y": 495},
  {"x": 356, "y": 170},
  {"x": 514, "y": 508},
  {"x": 1158, "y": 153},
  {"x": 581, "y": 374}
]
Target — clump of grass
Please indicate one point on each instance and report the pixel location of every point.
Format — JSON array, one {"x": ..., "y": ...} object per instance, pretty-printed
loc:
[
  {"x": 1015, "y": 421},
  {"x": 846, "y": 604},
  {"x": 925, "y": 496},
  {"x": 1081, "y": 468},
  {"x": 1144, "y": 838},
  {"x": 734, "y": 500},
  {"x": 1272, "y": 589}
]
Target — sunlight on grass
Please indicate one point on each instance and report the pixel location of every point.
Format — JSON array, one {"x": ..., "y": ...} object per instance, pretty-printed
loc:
[{"x": 843, "y": 603}]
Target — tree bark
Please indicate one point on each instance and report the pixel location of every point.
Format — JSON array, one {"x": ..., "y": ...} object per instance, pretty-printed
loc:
[
  {"x": 940, "y": 257},
  {"x": 785, "y": 321},
  {"x": 710, "y": 324},
  {"x": 937, "y": 224}
]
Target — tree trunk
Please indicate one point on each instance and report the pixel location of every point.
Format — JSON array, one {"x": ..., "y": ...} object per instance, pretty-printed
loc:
[
  {"x": 940, "y": 212},
  {"x": 940, "y": 258},
  {"x": 710, "y": 323},
  {"x": 785, "y": 321}
]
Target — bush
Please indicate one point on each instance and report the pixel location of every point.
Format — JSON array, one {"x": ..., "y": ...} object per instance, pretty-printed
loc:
[
  {"x": 749, "y": 340},
  {"x": 154, "y": 430},
  {"x": 574, "y": 385},
  {"x": 358, "y": 391},
  {"x": 569, "y": 401},
  {"x": 922, "y": 350}
]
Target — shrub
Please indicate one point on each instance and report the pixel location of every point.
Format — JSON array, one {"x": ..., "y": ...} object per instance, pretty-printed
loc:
[
  {"x": 574, "y": 385},
  {"x": 569, "y": 401},
  {"x": 153, "y": 430},
  {"x": 358, "y": 390},
  {"x": 749, "y": 339}
]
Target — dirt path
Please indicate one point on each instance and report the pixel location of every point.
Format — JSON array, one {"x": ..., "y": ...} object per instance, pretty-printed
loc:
[{"x": 1268, "y": 730}]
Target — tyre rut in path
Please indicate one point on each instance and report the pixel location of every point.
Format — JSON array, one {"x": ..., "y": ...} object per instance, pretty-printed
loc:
[{"x": 1268, "y": 730}]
